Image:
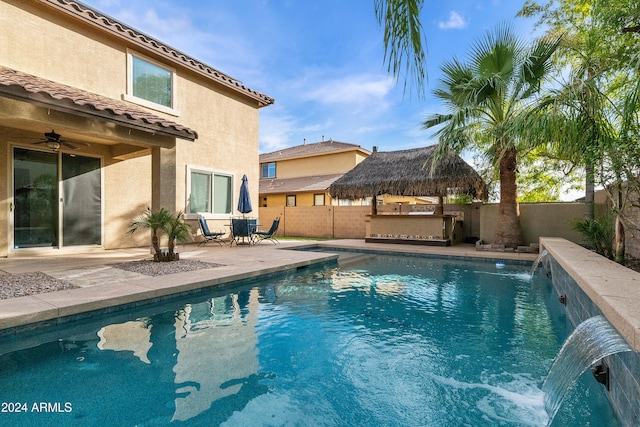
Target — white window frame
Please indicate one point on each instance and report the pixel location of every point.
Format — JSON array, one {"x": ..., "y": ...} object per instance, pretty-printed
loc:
[
  {"x": 212, "y": 172},
  {"x": 128, "y": 96}
]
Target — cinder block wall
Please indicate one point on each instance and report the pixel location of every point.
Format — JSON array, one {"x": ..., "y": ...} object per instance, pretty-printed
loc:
[
  {"x": 537, "y": 220},
  {"x": 347, "y": 222},
  {"x": 350, "y": 222},
  {"x": 632, "y": 236}
]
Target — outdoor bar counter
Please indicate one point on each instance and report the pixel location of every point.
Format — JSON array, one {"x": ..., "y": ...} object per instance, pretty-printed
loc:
[{"x": 418, "y": 229}]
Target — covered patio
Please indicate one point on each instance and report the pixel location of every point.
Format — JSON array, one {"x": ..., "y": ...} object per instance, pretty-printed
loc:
[{"x": 411, "y": 173}]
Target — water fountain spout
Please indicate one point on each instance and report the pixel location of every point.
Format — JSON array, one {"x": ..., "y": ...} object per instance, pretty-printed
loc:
[
  {"x": 537, "y": 262},
  {"x": 593, "y": 340}
]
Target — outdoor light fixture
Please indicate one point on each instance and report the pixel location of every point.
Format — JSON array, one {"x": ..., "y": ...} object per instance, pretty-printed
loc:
[
  {"x": 54, "y": 145},
  {"x": 53, "y": 142}
]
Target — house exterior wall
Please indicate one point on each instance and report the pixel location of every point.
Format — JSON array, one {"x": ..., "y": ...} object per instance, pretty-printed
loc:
[
  {"x": 124, "y": 201},
  {"x": 273, "y": 200},
  {"x": 39, "y": 40},
  {"x": 312, "y": 165},
  {"x": 318, "y": 165},
  {"x": 302, "y": 199}
]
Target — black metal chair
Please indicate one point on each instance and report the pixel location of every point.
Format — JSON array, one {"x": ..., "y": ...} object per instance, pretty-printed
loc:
[
  {"x": 268, "y": 235},
  {"x": 208, "y": 235},
  {"x": 243, "y": 228}
]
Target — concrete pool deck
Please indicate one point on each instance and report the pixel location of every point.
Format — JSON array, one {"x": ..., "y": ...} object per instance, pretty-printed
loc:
[{"x": 102, "y": 286}]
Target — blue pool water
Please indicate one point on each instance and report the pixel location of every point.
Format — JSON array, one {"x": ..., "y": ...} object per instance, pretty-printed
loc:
[{"x": 386, "y": 341}]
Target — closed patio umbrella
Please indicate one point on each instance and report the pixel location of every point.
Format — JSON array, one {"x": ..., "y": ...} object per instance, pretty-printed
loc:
[{"x": 244, "y": 201}]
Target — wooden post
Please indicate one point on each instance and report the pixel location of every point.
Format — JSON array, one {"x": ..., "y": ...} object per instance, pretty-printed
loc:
[{"x": 440, "y": 206}]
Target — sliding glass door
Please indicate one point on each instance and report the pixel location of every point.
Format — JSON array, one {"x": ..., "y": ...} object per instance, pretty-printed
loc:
[
  {"x": 57, "y": 199},
  {"x": 35, "y": 198},
  {"x": 81, "y": 200}
]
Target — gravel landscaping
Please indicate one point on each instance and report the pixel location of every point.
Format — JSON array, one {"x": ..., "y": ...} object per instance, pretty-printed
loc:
[
  {"x": 150, "y": 268},
  {"x": 36, "y": 282},
  {"x": 31, "y": 283}
]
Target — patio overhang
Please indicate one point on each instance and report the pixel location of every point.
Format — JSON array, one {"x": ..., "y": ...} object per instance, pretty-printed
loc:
[{"x": 66, "y": 99}]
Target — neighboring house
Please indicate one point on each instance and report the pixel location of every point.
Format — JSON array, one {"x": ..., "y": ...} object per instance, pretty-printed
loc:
[
  {"x": 301, "y": 175},
  {"x": 137, "y": 124}
]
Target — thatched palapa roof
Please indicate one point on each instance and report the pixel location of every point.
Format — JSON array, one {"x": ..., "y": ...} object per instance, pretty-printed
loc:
[{"x": 408, "y": 173}]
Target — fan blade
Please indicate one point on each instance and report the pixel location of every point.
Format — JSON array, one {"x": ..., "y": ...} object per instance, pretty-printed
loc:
[{"x": 75, "y": 145}]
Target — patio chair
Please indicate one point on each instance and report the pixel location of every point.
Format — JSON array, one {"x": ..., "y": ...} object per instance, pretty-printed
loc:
[
  {"x": 208, "y": 235},
  {"x": 268, "y": 235}
]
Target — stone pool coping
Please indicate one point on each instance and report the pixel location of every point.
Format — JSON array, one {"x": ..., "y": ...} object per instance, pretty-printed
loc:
[
  {"x": 613, "y": 288},
  {"x": 104, "y": 287}
]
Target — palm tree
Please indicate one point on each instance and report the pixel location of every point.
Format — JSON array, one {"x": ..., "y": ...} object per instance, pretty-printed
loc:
[
  {"x": 486, "y": 95},
  {"x": 153, "y": 221},
  {"x": 176, "y": 230}
]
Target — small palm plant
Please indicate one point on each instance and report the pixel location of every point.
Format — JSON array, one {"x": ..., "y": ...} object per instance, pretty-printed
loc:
[
  {"x": 176, "y": 229},
  {"x": 598, "y": 234},
  {"x": 153, "y": 221}
]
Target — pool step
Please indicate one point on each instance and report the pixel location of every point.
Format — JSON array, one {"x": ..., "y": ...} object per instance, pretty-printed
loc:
[{"x": 350, "y": 258}]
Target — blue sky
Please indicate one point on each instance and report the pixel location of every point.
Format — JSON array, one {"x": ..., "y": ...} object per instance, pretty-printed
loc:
[{"x": 322, "y": 60}]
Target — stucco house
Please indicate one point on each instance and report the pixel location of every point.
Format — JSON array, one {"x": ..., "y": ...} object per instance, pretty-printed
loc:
[
  {"x": 99, "y": 121},
  {"x": 301, "y": 175}
]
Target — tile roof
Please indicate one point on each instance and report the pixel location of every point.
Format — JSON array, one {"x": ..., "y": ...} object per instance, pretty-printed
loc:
[
  {"x": 144, "y": 41},
  {"x": 308, "y": 150},
  {"x": 297, "y": 185},
  {"x": 29, "y": 88}
]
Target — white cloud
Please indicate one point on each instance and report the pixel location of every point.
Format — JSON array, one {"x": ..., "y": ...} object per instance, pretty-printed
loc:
[
  {"x": 455, "y": 22},
  {"x": 356, "y": 89},
  {"x": 217, "y": 45},
  {"x": 276, "y": 129},
  {"x": 350, "y": 95}
]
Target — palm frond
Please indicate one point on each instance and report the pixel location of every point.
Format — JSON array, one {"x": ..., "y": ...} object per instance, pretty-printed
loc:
[{"x": 404, "y": 43}]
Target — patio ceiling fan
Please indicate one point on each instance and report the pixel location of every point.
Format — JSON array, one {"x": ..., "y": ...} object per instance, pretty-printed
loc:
[{"x": 52, "y": 140}]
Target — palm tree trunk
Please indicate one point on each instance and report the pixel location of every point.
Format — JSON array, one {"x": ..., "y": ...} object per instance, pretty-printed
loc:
[
  {"x": 589, "y": 193},
  {"x": 155, "y": 242},
  {"x": 620, "y": 237},
  {"x": 619, "y": 241},
  {"x": 171, "y": 249},
  {"x": 508, "y": 231}
]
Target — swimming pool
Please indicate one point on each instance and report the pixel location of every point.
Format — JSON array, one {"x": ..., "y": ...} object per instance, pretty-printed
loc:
[{"x": 386, "y": 340}]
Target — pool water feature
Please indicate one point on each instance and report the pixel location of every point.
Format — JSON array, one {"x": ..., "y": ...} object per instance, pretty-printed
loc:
[
  {"x": 537, "y": 261},
  {"x": 384, "y": 340},
  {"x": 589, "y": 343}
]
